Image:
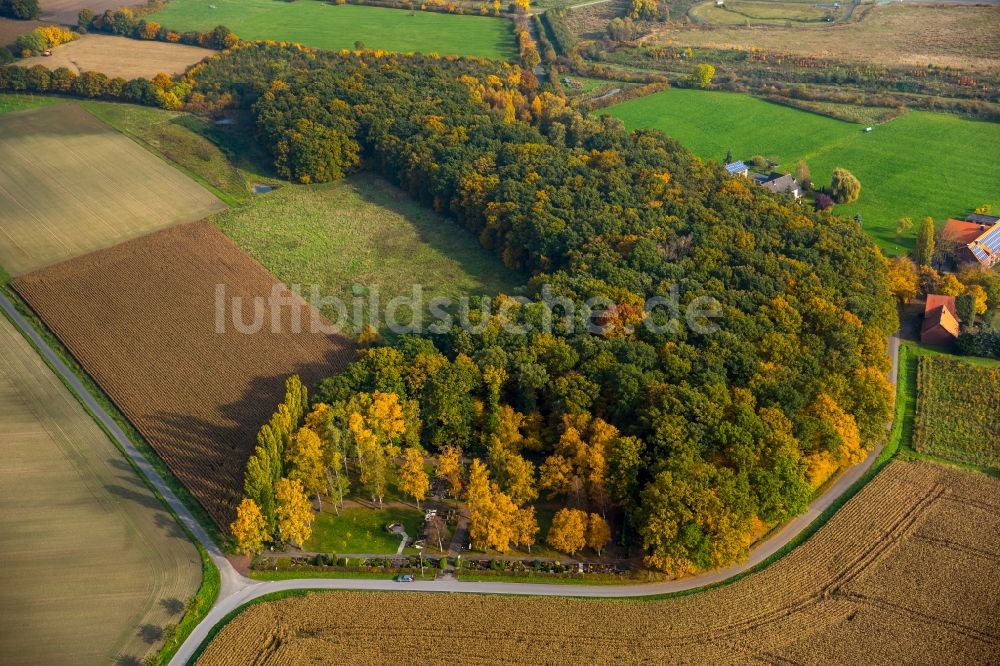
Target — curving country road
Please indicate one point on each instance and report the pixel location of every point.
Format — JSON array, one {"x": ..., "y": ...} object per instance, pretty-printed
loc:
[{"x": 237, "y": 590}]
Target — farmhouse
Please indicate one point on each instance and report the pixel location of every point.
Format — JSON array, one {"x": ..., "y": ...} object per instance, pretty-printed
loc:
[
  {"x": 737, "y": 169},
  {"x": 969, "y": 242},
  {"x": 940, "y": 325},
  {"x": 979, "y": 218},
  {"x": 779, "y": 183}
]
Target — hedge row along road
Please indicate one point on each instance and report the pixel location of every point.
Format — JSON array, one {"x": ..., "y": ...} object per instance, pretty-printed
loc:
[{"x": 237, "y": 590}]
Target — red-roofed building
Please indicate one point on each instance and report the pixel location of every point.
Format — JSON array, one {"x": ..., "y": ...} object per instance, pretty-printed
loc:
[
  {"x": 971, "y": 242},
  {"x": 940, "y": 325}
]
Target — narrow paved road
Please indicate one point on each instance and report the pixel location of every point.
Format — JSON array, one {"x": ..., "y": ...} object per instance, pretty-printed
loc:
[{"x": 238, "y": 590}]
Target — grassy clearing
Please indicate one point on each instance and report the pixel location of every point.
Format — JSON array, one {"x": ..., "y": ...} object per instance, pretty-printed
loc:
[
  {"x": 67, "y": 492},
  {"x": 362, "y": 530},
  {"x": 363, "y": 231},
  {"x": 21, "y": 102},
  {"x": 335, "y": 27},
  {"x": 72, "y": 185},
  {"x": 957, "y": 407},
  {"x": 120, "y": 56},
  {"x": 916, "y": 165}
]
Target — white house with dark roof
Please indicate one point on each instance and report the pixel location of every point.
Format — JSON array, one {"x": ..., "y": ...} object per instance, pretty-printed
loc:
[{"x": 779, "y": 183}]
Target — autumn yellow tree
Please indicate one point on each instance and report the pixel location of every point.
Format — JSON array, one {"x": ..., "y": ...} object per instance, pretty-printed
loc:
[
  {"x": 491, "y": 511},
  {"x": 837, "y": 441},
  {"x": 598, "y": 533},
  {"x": 520, "y": 479},
  {"x": 249, "y": 530},
  {"x": 979, "y": 298},
  {"x": 579, "y": 466},
  {"x": 449, "y": 468},
  {"x": 305, "y": 461},
  {"x": 295, "y": 516},
  {"x": 413, "y": 480},
  {"x": 903, "y": 282},
  {"x": 376, "y": 421},
  {"x": 524, "y": 528},
  {"x": 479, "y": 500},
  {"x": 555, "y": 476},
  {"x": 950, "y": 286},
  {"x": 372, "y": 461},
  {"x": 568, "y": 531},
  {"x": 320, "y": 421},
  {"x": 500, "y": 525}
]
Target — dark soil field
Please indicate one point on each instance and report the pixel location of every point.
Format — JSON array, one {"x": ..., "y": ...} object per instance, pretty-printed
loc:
[{"x": 141, "y": 319}]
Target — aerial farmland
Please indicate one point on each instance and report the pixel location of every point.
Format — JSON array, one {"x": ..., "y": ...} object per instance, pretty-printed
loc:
[
  {"x": 550, "y": 332},
  {"x": 72, "y": 185},
  {"x": 195, "y": 392}
]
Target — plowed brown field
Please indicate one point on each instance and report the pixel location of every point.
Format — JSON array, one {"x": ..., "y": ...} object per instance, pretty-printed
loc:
[
  {"x": 141, "y": 319},
  {"x": 891, "y": 578}
]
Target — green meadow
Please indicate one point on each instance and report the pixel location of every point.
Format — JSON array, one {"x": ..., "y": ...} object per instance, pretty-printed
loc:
[
  {"x": 917, "y": 165},
  {"x": 328, "y": 26}
]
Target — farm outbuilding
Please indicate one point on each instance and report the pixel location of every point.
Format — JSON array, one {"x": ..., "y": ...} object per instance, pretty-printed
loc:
[
  {"x": 940, "y": 327},
  {"x": 737, "y": 169}
]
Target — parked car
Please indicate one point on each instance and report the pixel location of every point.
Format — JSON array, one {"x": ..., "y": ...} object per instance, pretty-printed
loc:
[{"x": 403, "y": 578}]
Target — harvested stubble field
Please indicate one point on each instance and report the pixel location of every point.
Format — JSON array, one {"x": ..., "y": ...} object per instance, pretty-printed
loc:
[
  {"x": 958, "y": 405},
  {"x": 66, "y": 11},
  {"x": 141, "y": 318},
  {"x": 905, "y": 572},
  {"x": 89, "y": 553},
  {"x": 961, "y": 36},
  {"x": 120, "y": 56},
  {"x": 11, "y": 29},
  {"x": 69, "y": 184}
]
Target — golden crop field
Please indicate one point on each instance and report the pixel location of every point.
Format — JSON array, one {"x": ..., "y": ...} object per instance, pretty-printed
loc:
[
  {"x": 69, "y": 184},
  {"x": 90, "y": 556},
  {"x": 142, "y": 320},
  {"x": 905, "y": 572},
  {"x": 120, "y": 56}
]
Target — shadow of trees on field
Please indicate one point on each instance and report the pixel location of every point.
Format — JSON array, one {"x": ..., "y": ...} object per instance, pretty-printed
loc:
[
  {"x": 173, "y": 606},
  {"x": 209, "y": 456},
  {"x": 150, "y": 633},
  {"x": 446, "y": 236}
]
